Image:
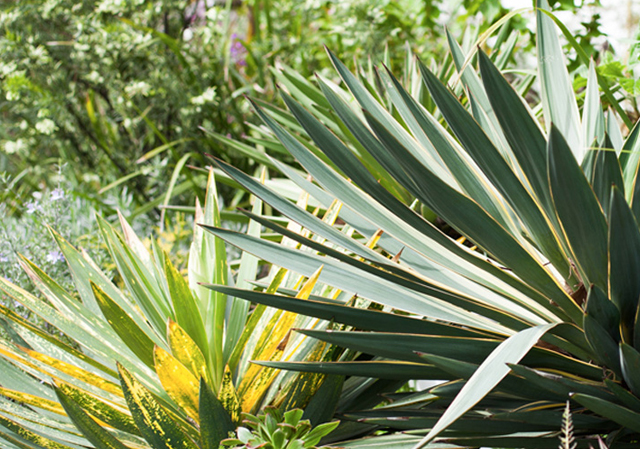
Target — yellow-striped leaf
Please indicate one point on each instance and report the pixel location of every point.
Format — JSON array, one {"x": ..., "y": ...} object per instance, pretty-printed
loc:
[
  {"x": 30, "y": 436},
  {"x": 229, "y": 396},
  {"x": 178, "y": 382},
  {"x": 215, "y": 422},
  {"x": 155, "y": 424},
  {"x": 185, "y": 306},
  {"x": 275, "y": 336},
  {"x": 134, "y": 337},
  {"x": 74, "y": 371},
  {"x": 99, "y": 409},
  {"x": 186, "y": 351},
  {"x": 92, "y": 431},
  {"x": 32, "y": 400}
]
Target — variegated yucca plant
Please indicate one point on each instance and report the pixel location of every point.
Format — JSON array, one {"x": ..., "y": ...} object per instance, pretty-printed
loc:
[
  {"x": 521, "y": 295},
  {"x": 162, "y": 362}
]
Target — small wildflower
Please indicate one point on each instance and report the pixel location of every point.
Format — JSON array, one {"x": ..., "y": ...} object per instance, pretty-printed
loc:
[
  {"x": 57, "y": 194},
  {"x": 208, "y": 96},
  {"x": 3, "y": 258},
  {"x": 33, "y": 207},
  {"x": 237, "y": 51},
  {"x": 46, "y": 126},
  {"x": 55, "y": 257},
  {"x": 11, "y": 147}
]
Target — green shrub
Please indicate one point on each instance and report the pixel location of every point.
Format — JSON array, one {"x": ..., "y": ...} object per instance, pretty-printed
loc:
[{"x": 119, "y": 90}]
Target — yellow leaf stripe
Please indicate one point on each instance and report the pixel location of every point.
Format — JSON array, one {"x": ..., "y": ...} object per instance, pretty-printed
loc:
[
  {"x": 275, "y": 336},
  {"x": 179, "y": 383}
]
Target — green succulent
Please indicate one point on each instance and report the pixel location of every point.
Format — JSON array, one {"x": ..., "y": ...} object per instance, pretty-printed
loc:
[
  {"x": 530, "y": 297},
  {"x": 273, "y": 430}
]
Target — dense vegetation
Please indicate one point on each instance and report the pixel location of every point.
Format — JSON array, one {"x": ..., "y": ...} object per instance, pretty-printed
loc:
[{"x": 444, "y": 218}]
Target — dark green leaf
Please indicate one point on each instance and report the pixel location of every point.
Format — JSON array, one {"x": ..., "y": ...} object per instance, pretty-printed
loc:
[
  {"x": 215, "y": 422},
  {"x": 520, "y": 129},
  {"x": 617, "y": 413},
  {"x": 472, "y": 221},
  {"x": 362, "y": 319},
  {"x": 473, "y": 350},
  {"x": 495, "y": 167},
  {"x": 579, "y": 212},
  {"x": 630, "y": 361},
  {"x": 377, "y": 369},
  {"x": 604, "y": 312},
  {"x": 561, "y": 386},
  {"x": 606, "y": 173},
  {"x": 604, "y": 346},
  {"x": 624, "y": 264}
]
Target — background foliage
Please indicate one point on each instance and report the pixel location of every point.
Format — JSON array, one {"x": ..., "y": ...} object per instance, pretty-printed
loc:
[{"x": 119, "y": 90}]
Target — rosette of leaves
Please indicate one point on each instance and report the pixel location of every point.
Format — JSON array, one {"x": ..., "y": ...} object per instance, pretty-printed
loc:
[
  {"x": 158, "y": 361},
  {"x": 523, "y": 294},
  {"x": 273, "y": 430}
]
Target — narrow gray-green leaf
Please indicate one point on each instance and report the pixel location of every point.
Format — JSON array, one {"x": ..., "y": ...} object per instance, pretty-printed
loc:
[
  {"x": 558, "y": 100},
  {"x": 592, "y": 115},
  {"x": 489, "y": 374}
]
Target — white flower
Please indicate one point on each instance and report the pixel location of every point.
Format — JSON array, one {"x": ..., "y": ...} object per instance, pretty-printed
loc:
[
  {"x": 111, "y": 6},
  {"x": 46, "y": 126},
  {"x": 7, "y": 68},
  {"x": 95, "y": 77},
  {"x": 55, "y": 257},
  {"x": 215, "y": 14},
  {"x": 140, "y": 87},
  {"x": 11, "y": 147},
  {"x": 208, "y": 96}
]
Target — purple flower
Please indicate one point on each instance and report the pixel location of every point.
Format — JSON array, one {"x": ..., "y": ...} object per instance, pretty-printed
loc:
[
  {"x": 33, "y": 206},
  {"x": 55, "y": 257},
  {"x": 57, "y": 194},
  {"x": 237, "y": 51},
  {"x": 3, "y": 258}
]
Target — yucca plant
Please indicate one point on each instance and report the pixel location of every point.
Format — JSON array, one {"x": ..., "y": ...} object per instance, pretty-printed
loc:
[
  {"x": 159, "y": 361},
  {"x": 531, "y": 301}
]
